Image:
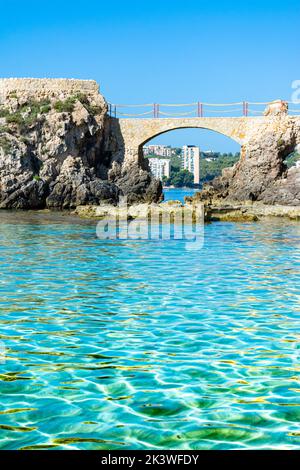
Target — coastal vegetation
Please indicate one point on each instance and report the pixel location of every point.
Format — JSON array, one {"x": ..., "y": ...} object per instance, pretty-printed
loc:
[
  {"x": 65, "y": 106},
  {"x": 211, "y": 165},
  {"x": 180, "y": 179},
  {"x": 26, "y": 114},
  {"x": 68, "y": 104}
]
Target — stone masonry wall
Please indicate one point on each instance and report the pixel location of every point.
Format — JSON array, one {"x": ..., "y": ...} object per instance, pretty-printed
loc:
[{"x": 46, "y": 87}]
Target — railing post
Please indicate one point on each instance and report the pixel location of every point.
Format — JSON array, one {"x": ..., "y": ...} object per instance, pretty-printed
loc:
[
  {"x": 157, "y": 110},
  {"x": 245, "y": 108},
  {"x": 115, "y": 111},
  {"x": 154, "y": 110},
  {"x": 200, "y": 109},
  {"x": 109, "y": 109}
]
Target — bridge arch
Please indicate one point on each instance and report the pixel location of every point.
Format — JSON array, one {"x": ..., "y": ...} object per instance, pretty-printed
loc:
[
  {"x": 137, "y": 132},
  {"x": 189, "y": 126}
]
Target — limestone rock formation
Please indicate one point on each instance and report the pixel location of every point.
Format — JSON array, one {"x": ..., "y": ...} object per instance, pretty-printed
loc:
[
  {"x": 276, "y": 107},
  {"x": 136, "y": 183},
  {"x": 54, "y": 148},
  {"x": 261, "y": 174}
]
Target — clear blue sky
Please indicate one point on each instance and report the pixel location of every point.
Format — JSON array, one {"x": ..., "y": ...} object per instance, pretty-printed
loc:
[{"x": 158, "y": 51}]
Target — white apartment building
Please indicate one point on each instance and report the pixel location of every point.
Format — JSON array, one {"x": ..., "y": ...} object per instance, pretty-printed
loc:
[
  {"x": 191, "y": 161},
  {"x": 159, "y": 167},
  {"x": 159, "y": 150}
]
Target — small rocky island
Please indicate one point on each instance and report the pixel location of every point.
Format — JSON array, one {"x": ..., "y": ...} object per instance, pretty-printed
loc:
[{"x": 59, "y": 149}]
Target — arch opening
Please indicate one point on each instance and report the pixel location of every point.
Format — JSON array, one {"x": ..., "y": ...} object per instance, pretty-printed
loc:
[{"x": 186, "y": 158}]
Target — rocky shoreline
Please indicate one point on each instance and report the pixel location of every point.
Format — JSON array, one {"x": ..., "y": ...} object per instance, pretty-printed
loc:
[
  {"x": 172, "y": 209},
  {"x": 251, "y": 212}
]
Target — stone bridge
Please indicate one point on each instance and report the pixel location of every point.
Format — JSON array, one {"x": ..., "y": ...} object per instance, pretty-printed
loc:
[
  {"x": 135, "y": 133},
  {"x": 265, "y": 142}
]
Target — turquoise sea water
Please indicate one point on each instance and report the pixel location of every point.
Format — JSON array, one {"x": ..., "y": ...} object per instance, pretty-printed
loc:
[
  {"x": 178, "y": 194},
  {"x": 144, "y": 344}
]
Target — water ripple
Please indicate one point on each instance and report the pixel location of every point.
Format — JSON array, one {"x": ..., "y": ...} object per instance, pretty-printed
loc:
[{"x": 140, "y": 344}]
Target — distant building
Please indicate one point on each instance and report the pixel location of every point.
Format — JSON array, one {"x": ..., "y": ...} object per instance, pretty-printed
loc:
[
  {"x": 159, "y": 150},
  {"x": 159, "y": 167},
  {"x": 209, "y": 155},
  {"x": 191, "y": 161}
]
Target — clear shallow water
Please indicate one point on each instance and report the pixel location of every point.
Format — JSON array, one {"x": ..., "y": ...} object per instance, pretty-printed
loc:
[{"x": 142, "y": 344}]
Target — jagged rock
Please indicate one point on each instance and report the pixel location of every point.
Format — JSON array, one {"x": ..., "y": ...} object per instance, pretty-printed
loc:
[
  {"x": 19, "y": 186},
  {"x": 78, "y": 185},
  {"x": 276, "y": 107},
  {"x": 54, "y": 137},
  {"x": 260, "y": 174},
  {"x": 29, "y": 196},
  {"x": 136, "y": 184}
]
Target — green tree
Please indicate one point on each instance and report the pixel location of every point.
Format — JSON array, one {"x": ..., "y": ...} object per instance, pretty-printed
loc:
[{"x": 182, "y": 178}]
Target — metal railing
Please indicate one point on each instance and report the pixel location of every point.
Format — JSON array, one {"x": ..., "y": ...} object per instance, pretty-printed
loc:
[{"x": 197, "y": 109}]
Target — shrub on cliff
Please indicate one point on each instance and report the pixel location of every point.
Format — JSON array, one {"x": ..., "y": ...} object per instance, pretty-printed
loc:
[
  {"x": 27, "y": 114},
  {"x": 4, "y": 129},
  {"x": 4, "y": 112},
  {"x": 14, "y": 118},
  {"x": 66, "y": 106}
]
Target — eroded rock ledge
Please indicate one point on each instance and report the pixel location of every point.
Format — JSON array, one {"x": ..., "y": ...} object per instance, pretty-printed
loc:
[
  {"x": 55, "y": 148},
  {"x": 173, "y": 210}
]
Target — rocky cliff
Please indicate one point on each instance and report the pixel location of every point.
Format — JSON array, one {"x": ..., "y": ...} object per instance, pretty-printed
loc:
[
  {"x": 261, "y": 174},
  {"x": 55, "y": 148}
]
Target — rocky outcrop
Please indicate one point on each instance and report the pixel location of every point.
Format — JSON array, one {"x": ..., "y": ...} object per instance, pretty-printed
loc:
[
  {"x": 261, "y": 174},
  {"x": 136, "y": 183},
  {"x": 55, "y": 148}
]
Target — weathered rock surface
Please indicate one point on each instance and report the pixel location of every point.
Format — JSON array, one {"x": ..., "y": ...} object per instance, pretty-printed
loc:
[
  {"x": 136, "y": 183},
  {"x": 168, "y": 211},
  {"x": 175, "y": 209},
  {"x": 250, "y": 212},
  {"x": 260, "y": 174},
  {"x": 55, "y": 140},
  {"x": 191, "y": 210}
]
